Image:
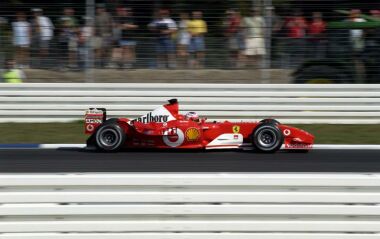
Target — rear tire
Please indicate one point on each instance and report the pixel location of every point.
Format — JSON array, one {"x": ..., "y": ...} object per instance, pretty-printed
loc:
[
  {"x": 267, "y": 138},
  {"x": 110, "y": 137}
]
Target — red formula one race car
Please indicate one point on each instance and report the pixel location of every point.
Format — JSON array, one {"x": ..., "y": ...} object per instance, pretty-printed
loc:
[{"x": 165, "y": 128}]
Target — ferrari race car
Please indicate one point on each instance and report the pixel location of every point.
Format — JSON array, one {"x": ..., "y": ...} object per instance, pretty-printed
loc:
[{"x": 166, "y": 128}]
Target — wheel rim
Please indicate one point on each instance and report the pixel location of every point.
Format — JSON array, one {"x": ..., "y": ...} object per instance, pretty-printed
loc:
[
  {"x": 109, "y": 137},
  {"x": 267, "y": 138}
]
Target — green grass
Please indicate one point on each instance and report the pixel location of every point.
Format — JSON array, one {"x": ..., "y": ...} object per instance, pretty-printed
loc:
[
  {"x": 42, "y": 133},
  {"x": 344, "y": 134},
  {"x": 74, "y": 133}
]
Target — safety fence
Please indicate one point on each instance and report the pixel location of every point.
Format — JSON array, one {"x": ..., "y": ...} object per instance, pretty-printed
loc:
[
  {"x": 335, "y": 103},
  {"x": 184, "y": 206},
  {"x": 321, "y": 40}
]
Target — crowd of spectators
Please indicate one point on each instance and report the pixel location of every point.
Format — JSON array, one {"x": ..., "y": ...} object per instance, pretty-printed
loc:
[{"x": 178, "y": 44}]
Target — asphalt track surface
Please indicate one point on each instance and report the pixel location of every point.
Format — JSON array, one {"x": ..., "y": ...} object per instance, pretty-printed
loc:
[{"x": 81, "y": 160}]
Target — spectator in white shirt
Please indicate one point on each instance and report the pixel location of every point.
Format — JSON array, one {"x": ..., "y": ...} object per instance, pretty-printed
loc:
[
  {"x": 164, "y": 27},
  {"x": 254, "y": 26},
  {"x": 21, "y": 39},
  {"x": 43, "y": 31},
  {"x": 357, "y": 35}
]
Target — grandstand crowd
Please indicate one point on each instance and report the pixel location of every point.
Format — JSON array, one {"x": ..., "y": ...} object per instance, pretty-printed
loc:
[{"x": 111, "y": 38}]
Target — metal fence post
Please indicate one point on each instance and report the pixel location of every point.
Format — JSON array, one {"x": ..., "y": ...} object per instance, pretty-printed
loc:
[
  {"x": 89, "y": 61},
  {"x": 267, "y": 6}
]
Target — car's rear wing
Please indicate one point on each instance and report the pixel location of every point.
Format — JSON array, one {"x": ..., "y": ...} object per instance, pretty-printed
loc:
[{"x": 93, "y": 118}]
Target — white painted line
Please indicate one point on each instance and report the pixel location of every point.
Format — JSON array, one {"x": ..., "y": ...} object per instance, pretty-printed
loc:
[{"x": 56, "y": 146}]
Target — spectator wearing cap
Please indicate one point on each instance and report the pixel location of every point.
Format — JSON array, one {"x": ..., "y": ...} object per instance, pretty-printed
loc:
[
  {"x": 42, "y": 34},
  {"x": 234, "y": 33},
  {"x": 316, "y": 31},
  {"x": 254, "y": 26},
  {"x": 197, "y": 28},
  {"x": 126, "y": 24},
  {"x": 164, "y": 28},
  {"x": 21, "y": 39},
  {"x": 103, "y": 36}
]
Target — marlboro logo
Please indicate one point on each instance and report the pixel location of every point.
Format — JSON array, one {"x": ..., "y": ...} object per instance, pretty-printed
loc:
[
  {"x": 159, "y": 115},
  {"x": 152, "y": 118}
]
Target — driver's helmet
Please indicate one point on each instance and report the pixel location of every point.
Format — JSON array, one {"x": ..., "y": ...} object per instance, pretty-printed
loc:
[{"x": 192, "y": 116}]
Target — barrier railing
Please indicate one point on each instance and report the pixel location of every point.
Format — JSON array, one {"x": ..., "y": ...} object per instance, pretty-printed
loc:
[
  {"x": 38, "y": 102},
  {"x": 227, "y": 206}
]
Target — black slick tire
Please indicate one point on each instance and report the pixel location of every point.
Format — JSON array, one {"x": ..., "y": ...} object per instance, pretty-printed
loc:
[
  {"x": 267, "y": 138},
  {"x": 109, "y": 137}
]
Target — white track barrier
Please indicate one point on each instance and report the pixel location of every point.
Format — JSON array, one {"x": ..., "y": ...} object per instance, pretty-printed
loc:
[
  {"x": 342, "y": 104},
  {"x": 189, "y": 206}
]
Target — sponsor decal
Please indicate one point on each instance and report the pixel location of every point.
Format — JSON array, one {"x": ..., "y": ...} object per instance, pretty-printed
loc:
[
  {"x": 226, "y": 141},
  {"x": 143, "y": 142},
  {"x": 152, "y": 118},
  {"x": 94, "y": 111},
  {"x": 192, "y": 134},
  {"x": 94, "y": 121},
  {"x": 173, "y": 137},
  {"x": 236, "y": 129},
  {"x": 287, "y": 132},
  {"x": 298, "y": 146},
  {"x": 160, "y": 115},
  {"x": 90, "y": 128}
]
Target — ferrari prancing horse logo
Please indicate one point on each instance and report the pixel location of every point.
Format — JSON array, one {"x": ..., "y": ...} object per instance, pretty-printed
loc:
[{"x": 236, "y": 129}]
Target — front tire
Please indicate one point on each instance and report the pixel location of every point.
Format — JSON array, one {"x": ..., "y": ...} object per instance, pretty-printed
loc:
[
  {"x": 270, "y": 121},
  {"x": 267, "y": 138},
  {"x": 110, "y": 137}
]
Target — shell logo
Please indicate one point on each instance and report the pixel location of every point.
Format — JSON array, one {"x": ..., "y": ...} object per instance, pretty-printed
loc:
[{"x": 192, "y": 134}]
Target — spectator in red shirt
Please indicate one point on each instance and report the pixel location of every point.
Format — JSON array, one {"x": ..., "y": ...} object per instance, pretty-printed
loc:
[
  {"x": 316, "y": 31},
  {"x": 375, "y": 13},
  {"x": 296, "y": 27},
  {"x": 235, "y": 35}
]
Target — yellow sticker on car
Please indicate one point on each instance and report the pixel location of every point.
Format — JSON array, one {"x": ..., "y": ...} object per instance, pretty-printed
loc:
[
  {"x": 192, "y": 134},
  {"x": 236, "y": 129}
]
